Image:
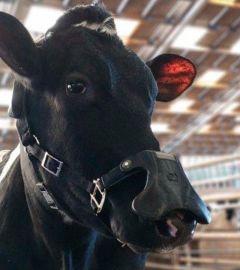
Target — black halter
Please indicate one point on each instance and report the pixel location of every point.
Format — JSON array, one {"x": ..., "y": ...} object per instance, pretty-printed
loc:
[
  {"x": 97, "y": 188},
  {"x": 54, "y": 166},
  {"x": 164, "y": 173}
]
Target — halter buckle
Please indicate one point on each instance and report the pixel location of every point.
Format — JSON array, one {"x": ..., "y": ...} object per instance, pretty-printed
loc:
[
  {"x": 55, "y": 164},
  {"x": 48, "y": 198},
  {"x": 98, "y": 196}
]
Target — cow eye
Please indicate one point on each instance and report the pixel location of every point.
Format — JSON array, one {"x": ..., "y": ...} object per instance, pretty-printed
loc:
[{"x": 76, "y": 87}]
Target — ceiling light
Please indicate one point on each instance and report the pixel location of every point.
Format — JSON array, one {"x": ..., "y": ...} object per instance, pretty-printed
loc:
[
  {"x": 205, "y": 129},
  {"x": 41, "y": 18},
  {"x": 189, "y": 37},
  {"x": 126, "y": 27},
  {"x": 210, "y": 77},
  {"x": 237, "y": 119},
  {"x": 223, "y": 2},
  {"x": 181, "y": 106},
  {"x": 5, "y": 97},
  {"x": 5, "y": 123},
  {"x": 236, "y": 47},
  {"x": 236, "y": 130},
  {"x": 230, "y": 108},
  {"x": 6, "y": 7},
  {"x": 160, "y": 128}
]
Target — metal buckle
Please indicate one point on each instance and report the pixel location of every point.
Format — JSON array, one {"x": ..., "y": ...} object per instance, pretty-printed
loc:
[
  {"x": 58, "y": 168},
  {"x": 47, "y": 196},
  {"x": 97, "y": 206}
]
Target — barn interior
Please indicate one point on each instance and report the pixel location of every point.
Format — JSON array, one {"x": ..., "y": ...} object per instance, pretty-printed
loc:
[{"x": 202, "y": 126}]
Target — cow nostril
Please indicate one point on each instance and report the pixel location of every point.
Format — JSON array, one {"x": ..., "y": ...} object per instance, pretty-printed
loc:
[
  {"x": 172, "y": 229},
  {"x": 175, "y": 222},
  {"x": 164, "y": 229}
]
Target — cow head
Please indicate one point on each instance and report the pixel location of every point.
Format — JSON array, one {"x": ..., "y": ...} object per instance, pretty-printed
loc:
[{"x": 89, "y": 101}]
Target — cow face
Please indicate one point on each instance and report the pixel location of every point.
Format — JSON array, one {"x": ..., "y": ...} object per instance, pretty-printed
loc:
[{"x": 89, "y": 101}]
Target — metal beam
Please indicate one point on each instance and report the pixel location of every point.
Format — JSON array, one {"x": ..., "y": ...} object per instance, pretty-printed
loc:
[
  {"x": 197, "y": 6},
  {"x": 218, "y": 17},
  {"x": 148, "y": 8},
  {"x": 203, "y": 118},
  {"x": 122, "y": 6}
]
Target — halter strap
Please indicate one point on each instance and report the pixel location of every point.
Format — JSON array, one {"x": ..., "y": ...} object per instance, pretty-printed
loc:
[
  {"x": 55, "y": 167},
  {"x": 51, "y": 164}
]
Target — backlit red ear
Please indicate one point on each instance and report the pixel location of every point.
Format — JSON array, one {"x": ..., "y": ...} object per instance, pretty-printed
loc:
[{"x": 173, "y": 74}]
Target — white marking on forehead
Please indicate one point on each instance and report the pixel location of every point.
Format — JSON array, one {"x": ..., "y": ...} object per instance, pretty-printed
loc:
[
  {"x": 13, "y": 156},
  {"x": 99, "y": 27}
]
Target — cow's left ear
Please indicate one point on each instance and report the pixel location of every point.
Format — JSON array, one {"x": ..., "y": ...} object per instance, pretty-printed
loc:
[{"x": 173, "y": 74}]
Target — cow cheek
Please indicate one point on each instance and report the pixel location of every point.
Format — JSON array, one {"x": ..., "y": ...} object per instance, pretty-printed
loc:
[{"x": 122, "y": 219}]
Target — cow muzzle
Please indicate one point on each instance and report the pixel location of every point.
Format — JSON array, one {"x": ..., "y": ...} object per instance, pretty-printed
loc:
[{"x": 167, "y": 189}]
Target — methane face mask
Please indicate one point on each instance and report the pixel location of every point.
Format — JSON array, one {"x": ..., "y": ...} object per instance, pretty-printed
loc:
[{"x": 167, "y": 187}]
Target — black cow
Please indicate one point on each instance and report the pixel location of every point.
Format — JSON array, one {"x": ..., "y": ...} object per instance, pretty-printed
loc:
[{"x": 84, "y": 103}]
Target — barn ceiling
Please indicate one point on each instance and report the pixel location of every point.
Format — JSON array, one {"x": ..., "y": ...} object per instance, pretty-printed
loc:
[{"x": 206, "y": 119}]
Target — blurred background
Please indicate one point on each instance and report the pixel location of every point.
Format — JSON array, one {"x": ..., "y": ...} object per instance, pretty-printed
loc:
[{"x": 202, "y": 126}]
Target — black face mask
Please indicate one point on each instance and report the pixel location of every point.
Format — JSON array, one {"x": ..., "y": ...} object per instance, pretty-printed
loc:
[{"x": 167, "y": 187}]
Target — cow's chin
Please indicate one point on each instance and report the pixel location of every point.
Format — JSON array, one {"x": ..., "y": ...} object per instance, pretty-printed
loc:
[{"x": 163, "y": 236}]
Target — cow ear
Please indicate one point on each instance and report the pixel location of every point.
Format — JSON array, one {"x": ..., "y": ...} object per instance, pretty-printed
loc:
[
  {"x": 173, "y": 74},
  {"x": 17, "y": 48}
]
